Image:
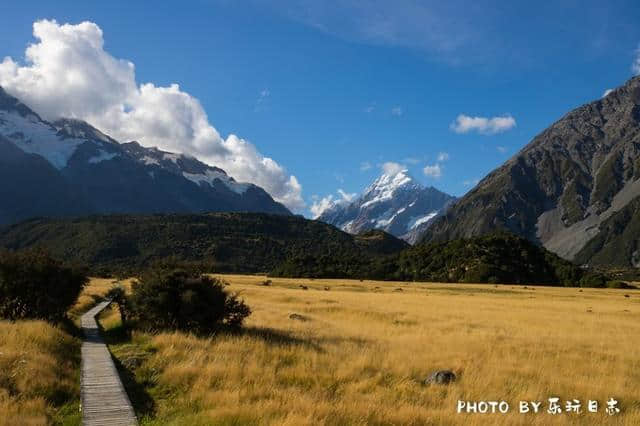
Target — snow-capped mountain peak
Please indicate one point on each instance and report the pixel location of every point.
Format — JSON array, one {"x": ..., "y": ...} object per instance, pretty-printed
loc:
[
  {"x": 385, "y": 186},
  {"x": 395, "y": 202}
]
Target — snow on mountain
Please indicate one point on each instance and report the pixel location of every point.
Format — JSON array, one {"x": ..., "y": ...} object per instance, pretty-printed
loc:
[
  {"x": 417, "y": 221},
  {"x": 69, "y": 167},
  {"x": 209, "y": 176},
  {"x": 34, "y": 136},
  {"x": 188, "y": 167},
  {"x": 102, "y": 156},
  {"x": 394, "y": 202}
]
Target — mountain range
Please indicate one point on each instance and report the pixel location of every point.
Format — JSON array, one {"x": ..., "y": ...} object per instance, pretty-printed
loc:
[
  {"x": 69, "y": 168},
  {"x": 395, "y": 202},
  {"x": 575, "y": 188}
]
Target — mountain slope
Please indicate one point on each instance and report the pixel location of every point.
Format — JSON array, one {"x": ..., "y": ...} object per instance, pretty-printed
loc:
[
  {"x": 394, "y": 202},
  {"x": 562, "y": 187},
  {"x": 70, "y": 168},
  {"x": 223, "y": 242}
]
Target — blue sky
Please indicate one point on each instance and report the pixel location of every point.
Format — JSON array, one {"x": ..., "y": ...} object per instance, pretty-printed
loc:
[{"x": 331, "y": 93}]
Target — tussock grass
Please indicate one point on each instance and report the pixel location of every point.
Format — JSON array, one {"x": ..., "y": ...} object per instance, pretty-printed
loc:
[
  {"x": 39, "y": 366},
  {"x": 360, "y": 356}
]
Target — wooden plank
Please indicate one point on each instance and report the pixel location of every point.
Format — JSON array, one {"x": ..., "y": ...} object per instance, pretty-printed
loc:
[{"x": 104, "y": 402}]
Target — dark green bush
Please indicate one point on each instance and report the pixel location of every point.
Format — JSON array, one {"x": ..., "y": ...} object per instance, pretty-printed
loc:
[
  {"x": 36, "y": 286},
  {"x": 618, "y": 284},
  {"x": 184, "y": 300},
  {"x": 593, "y": 279}
]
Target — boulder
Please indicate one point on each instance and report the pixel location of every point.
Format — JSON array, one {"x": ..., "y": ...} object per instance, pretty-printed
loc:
[{"x": 440, "y": 377}]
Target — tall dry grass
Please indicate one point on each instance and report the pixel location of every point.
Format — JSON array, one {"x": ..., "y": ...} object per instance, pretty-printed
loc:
[
  {"x": 38, "y": 372},
  {"x": 365, "y": 347}
]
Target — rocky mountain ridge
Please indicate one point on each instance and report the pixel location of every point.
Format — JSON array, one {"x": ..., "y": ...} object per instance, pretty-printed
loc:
[{"x": 69, "y": 168}]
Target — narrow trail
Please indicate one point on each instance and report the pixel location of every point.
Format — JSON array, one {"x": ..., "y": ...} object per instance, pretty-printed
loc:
[{"x": 103, "y": 398}]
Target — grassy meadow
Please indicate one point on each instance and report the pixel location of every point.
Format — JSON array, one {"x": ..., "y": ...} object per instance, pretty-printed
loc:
[{"x": 357, "y": 352}]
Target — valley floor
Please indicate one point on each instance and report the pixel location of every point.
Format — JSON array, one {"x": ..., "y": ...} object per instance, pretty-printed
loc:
[{"x": 358, "y": 350}]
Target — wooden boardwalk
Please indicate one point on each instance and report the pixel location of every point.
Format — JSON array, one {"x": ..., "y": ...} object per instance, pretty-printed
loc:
[{"x": 103, "y": 398}]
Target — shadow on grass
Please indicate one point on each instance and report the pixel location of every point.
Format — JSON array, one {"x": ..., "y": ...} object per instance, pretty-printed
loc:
[
  {"x": 142, "y": 402},
  {"x": 270, "y": 336}
]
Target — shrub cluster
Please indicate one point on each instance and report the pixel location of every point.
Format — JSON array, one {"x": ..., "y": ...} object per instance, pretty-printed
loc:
[
  {"x": 34, "y": 285},
  {"x": 165, "y": 299}
]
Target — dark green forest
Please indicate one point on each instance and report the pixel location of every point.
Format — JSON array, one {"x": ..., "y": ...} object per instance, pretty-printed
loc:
[{"x": 288, "y": 246}]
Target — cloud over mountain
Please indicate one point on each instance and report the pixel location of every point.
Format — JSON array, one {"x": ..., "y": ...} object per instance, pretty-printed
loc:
[{"x": 68, "y": 73}]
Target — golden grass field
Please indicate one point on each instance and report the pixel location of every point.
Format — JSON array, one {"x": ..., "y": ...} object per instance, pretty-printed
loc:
[
  {"x": 361, "y": 354},
  {"x": 358, "y": 359}
]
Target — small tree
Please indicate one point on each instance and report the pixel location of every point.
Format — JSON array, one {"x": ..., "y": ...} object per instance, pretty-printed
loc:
[
  {"x": 182, "y": 300},
  {"x": 119, "y": 297},
  {"x": 34, "y": 285}
]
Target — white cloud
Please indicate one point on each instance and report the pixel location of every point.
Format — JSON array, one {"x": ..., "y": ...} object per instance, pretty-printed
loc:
[
  {"x": 69, "y": 74},
  {"x": 397, "y": 111},
  {"x": 320, "y": 205},
  {"x": 502, "y": 149},
  {"x": 263, "y": 96},
  {"x": 471, "y": 182},
  {"x": 434, "y": 171},
  {"x": 483, "y": 125},
  {"x": 635, "y": 67},
  {"x": 365, "y": 165},
  {"x": 443, "y": 156},
  {"x": 346, "y": 196},
  {"x": 391, "y": 168},
  {"x": 369, "y": 109},
  {"x": 411, "y": 160}
]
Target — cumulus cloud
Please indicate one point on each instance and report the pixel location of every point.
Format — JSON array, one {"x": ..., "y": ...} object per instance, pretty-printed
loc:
[
  {"x": 69, "y": 74},
  {"x": 320, "y": 205},
  {"x": 502, "y": 149},
  {"x": 433, "y": 171},
  {"x": 483, "y": 125},
  {"x": 443, "y": 156}
]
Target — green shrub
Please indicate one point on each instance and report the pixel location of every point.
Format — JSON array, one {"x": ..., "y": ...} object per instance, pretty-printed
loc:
[
  {"x": 593, "y": 279},
  {"x": 184, "y": 300},
  {"x": 618, "y": 284},
  {"x": 34, "y": 285}
]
